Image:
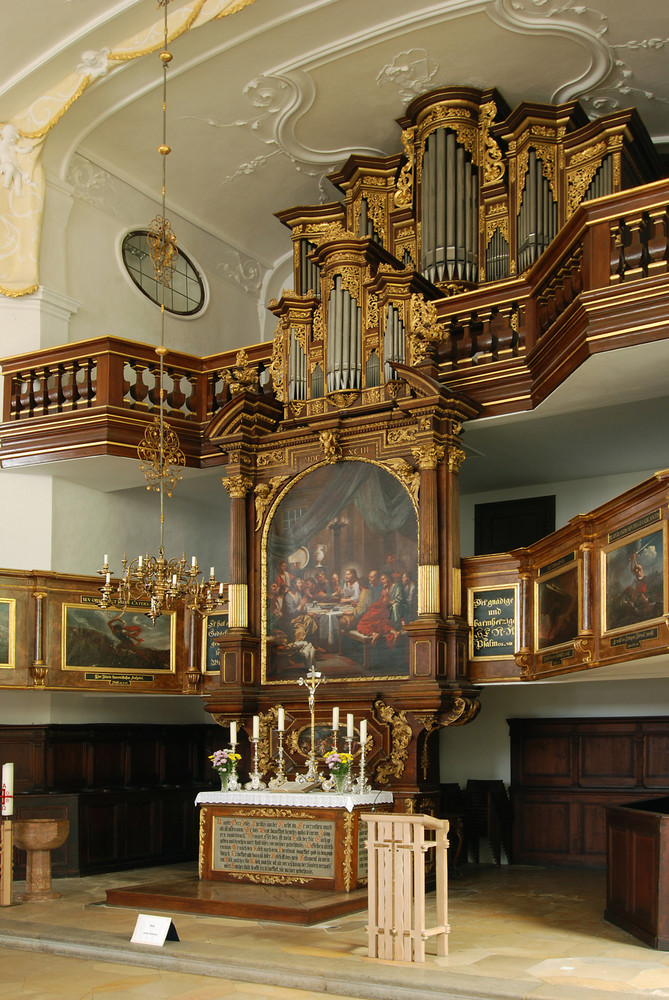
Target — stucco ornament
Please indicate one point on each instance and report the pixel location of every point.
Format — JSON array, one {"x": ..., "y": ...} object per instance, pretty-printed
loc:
[{"x": 11, "y": 147}]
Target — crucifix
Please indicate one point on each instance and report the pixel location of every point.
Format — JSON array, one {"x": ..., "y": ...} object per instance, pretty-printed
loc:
[{"x": 311, "y": 681}]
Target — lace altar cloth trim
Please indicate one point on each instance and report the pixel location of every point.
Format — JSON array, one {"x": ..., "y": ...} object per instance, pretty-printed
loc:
[{"x": 314, "y": 800}]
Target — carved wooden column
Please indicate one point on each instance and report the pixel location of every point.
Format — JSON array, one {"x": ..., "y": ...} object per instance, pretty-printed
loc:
[
  {"x": 451, "y": 584},
  {"x": 38, "y": 668},
  {"x": 238, "y": 589},
  {"x": 237, "y": 694},
  {"x": 428, "y": 458}
]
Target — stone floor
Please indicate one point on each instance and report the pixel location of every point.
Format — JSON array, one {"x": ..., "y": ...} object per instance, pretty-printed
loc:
[{"x": 516, "y": 932}]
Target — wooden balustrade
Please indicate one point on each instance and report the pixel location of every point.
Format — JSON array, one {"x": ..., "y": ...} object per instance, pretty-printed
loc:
[{"x": 501, "y": 342}]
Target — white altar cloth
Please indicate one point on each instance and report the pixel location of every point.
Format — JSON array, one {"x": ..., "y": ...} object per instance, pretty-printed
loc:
[{"x": 314, "y": 800}]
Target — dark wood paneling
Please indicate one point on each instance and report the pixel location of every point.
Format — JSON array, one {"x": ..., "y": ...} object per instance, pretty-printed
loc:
[
  {"x": 637, "y": 881},
  {"x": 128, "y": 791},
  {"x": 567, "y": 772}
]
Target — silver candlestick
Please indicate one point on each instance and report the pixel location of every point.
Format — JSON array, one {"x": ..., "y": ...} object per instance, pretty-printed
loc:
[
  {"x": 349, "y": 749},
  {"x": 361, "y": 785},
  {"x": 234, "y": 783},
  {"x": 255, "y": 783},
  {"x": 280, "y": 776}
]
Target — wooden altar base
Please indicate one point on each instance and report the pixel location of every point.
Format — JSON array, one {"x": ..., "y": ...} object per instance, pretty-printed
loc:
[{"x": 280, "y": 903}]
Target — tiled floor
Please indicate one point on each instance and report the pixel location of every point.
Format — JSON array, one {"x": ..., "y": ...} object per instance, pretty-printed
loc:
[{"x": 517, "y": 932}]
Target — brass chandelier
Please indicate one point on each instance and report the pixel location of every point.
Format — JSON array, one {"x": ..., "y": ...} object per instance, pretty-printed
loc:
[{"x": 158, "y": 581}]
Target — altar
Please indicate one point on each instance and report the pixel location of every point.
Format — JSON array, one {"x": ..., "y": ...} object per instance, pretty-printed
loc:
[{"x": 302, "y": 839}]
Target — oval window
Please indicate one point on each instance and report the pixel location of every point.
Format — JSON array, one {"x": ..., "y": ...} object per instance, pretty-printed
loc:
[{"x": 186, "y": 294}]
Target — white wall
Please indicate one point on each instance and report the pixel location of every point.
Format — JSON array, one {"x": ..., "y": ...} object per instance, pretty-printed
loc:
[
  {"x": 577, "y": 496},
  {"x": 39, "y": 708},
  {"x": 104, "y": 208},
  {"x": 88, "y": 524},
  {"x": 25, "y": 513}
]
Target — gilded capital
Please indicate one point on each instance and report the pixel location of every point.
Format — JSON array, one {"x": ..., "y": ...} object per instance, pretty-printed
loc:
[
  {"x": 456, "y": 457},
  {"x": 237, "y": 486},
  {"x": 428, "y": 456}
]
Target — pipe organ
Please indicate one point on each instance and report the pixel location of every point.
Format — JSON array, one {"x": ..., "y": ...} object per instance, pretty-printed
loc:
[{"x": 477, "y": 195}]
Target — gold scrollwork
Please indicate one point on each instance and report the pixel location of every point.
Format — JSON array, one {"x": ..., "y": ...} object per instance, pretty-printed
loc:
[
  {"x": 161, "y": 457},
  {"x": 584, "y": 646},
  {"x": 269, "y": 879},
  {"x": 242, "y": 376},
  {"x": 376, "y": 205},
  {"x": 404, "y": 193},
  {"x": 577, "y": 184},
  {"x": 266, "y": 459},
  {"x": 462, "y": 711},
  {"x": 266, "y": 722},
  {"x": 276, "y": 366},
  {"x": 401, "y": 435},
  {"x": 372, "y": 311},
  {"x": 341, "y": 398},
  {"x": 494, "y": 225},
  {"x": 493, "y": 166},
  {"x": 202, "y": 834},
  {"x": 264, "y": 497},
  {"x": 400, "y": 738},
  {"x": 596, "y": 151},
  {"x": 348, "y": 851}
]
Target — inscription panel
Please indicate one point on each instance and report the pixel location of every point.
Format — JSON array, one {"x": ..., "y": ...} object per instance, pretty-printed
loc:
[{"x": 301, "y": 847}]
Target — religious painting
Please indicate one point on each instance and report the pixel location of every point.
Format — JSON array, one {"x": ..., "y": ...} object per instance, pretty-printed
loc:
[
  {"x": 7, "y": 632},
  {"x": 633, "y": 574},
  {"x": 128, "y": 641},
  {"x": 339, "y": 575},
  {"x": 556, "y": 607},
  {"x": 214, "y": 627}
]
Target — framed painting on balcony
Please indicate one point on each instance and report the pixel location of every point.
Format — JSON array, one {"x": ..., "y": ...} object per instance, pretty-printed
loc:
[
  {"x": 7, "y": 633},
  {"x": 128, "y": 642},
  {"x": 556, "y": 607},
  {"x": 340, "y": 553},
  {"x": 634, "y": 578}
]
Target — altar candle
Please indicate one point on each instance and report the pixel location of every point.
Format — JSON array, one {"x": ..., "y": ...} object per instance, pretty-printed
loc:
[
  {"x": 193, "y": 562},
  {"x": 349, "y": 726},
  {"x": 106, "y": 559},
  {"x": 363, "y": 732},
  {"x": 233, "y": 733},
  {"x": 281, "y": 721},
  {"x": 140, "y": 561},
  {"x": 256, "y": 727},
  {"x": 211, "y": 572},
  {"x": 7, "y": 789},
  {"x": 335, "y": 718},
  {"x": 220, "y": 590}
]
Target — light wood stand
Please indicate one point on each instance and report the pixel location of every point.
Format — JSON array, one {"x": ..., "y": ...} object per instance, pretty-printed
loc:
[
  {"x": 396, "y": 848},
  {"x": 6, "y": 867}
]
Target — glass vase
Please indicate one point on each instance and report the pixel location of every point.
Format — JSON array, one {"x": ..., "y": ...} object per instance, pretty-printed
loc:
[{"x": 225, "y": 778}]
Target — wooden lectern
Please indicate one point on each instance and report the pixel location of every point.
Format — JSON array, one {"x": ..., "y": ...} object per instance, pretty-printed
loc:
[{"x": 396, "y": 849}]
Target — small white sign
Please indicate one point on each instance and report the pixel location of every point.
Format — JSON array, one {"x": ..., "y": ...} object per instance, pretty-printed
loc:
[{"x": 154, "y": 930}]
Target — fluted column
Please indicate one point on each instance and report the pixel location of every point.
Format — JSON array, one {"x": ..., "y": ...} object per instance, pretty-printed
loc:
[
  {"x": 449, "y": 492},
  {"x": 428, "y": 458},
  {"x": 238, "y": 591}
]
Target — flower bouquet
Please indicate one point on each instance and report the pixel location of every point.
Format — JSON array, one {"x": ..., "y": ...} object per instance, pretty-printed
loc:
[
  {"x": 339, "y": 765},
  {"x": 225, "y": 762}
]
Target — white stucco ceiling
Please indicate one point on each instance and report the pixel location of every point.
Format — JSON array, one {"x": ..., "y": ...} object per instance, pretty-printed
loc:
[{"x": 264, "y": 102}]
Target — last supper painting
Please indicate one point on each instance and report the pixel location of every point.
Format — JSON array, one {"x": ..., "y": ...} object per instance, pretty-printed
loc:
[{"x": 339, "y": 577}]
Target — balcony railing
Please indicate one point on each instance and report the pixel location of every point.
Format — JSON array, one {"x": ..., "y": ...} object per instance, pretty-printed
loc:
[
  {"x": 602, "y": 284},
  {"x": 116, "y": 384}
]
